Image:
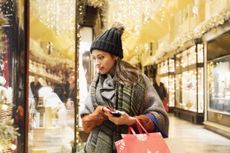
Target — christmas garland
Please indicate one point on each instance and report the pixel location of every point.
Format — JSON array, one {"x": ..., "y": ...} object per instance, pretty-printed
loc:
[
  {"x": 7, "y": 133},
  {"x": 198, "y": 32}
]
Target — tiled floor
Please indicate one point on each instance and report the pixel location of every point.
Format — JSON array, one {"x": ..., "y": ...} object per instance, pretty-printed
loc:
[{"x": 185, "y": 137}]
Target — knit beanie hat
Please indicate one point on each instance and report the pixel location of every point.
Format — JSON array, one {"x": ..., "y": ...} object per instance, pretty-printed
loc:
[{"x": 110, "y": 41}]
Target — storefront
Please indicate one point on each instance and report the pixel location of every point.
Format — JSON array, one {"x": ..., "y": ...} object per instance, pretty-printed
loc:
[
  {"x": 217, "y": 116},
  {"x": 189, "y": 83},
  {"x": 182, "y": 72}
]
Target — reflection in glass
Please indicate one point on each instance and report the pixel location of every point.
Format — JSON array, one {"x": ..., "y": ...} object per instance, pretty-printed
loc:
[{"x": 52, "y": 76}]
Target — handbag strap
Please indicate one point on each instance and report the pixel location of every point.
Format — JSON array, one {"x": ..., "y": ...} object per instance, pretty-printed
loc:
[
  {"x": 150, "y": 116},
  {"x": 131, "y": 130}
]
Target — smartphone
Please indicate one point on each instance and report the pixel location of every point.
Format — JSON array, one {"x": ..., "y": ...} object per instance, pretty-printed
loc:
[{"x": 116, "y": 113}]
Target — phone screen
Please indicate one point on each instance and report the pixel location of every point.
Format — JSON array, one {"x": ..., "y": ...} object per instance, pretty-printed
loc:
[{"x": 116, "y": 114}]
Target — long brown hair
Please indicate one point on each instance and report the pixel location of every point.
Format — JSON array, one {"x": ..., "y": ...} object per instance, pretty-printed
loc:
[{"x": 125, "y": 73}]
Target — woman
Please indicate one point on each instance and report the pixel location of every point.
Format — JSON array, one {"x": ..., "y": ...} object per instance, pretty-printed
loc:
[
  {"x": 161, "y": 90},
  {"x": 117, "y": 86}
]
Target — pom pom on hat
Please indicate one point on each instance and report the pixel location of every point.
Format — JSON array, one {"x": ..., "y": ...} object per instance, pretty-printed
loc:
[{"x": 110, "y": 41}]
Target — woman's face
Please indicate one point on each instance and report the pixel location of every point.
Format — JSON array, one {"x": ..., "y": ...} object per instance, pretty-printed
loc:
[{"x": 103, "y": 61}]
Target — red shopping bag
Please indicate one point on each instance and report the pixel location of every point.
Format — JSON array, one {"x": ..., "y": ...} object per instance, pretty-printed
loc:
[
  {"x": 141, "y": 143},
  {"x": 165, "y": 103}
]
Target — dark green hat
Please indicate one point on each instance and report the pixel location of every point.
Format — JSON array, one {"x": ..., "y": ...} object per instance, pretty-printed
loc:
[{"x": 109, "y": 41}]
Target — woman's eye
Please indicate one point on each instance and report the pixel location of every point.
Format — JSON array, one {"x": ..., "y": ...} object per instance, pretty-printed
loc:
[{"x": 100, "y": 57}]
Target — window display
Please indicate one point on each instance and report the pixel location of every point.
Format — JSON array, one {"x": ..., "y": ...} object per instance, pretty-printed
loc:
[
  {"x": 219, "y": 84},
  {"x": 189, "y": 90},
  {"x": 167, "y": 71},
  {"x": 52, "y": 60},
  {"x": 189, "y": 79}
]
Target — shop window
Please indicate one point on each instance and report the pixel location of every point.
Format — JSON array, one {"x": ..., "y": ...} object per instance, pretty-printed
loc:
[
  {"x": 189, "y": 79},
  {"x": 166, "y": 69},
  {"x": 219, "y": 84},
  {"x": 53, "y": 78}
]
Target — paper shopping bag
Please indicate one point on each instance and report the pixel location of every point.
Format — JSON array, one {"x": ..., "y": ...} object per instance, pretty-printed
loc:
[
  {"x": 142, "y": 143},
  {"x": 120, "y": 146}
]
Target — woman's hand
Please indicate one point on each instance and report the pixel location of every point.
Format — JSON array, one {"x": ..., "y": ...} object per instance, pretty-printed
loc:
[
  {"x": 94, "y": 119},
  {"x": 99, "y": 115},
  {"x": 124, "y": 119}
]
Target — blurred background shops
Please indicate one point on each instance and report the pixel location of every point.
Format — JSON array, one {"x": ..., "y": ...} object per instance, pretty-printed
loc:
[{"x": 46, "y": 67}]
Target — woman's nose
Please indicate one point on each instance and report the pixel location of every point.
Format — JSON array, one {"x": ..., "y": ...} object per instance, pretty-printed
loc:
[{"x": 97, "y": 62}]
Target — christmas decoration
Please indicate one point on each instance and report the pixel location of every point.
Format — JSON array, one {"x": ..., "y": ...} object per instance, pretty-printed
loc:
[
  {"x": 198, "y": 32},
  {"x": 8, "y": 132}
]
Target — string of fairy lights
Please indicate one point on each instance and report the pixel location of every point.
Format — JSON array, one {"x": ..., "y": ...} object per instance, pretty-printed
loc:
[{"x": 133, "y": 14}]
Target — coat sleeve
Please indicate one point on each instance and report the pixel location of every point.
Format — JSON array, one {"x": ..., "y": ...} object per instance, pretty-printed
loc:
[
  {"x": 91, "y": 117},
  {"x": 86, "y": 107},
  {"x": 154, "y": 106}
]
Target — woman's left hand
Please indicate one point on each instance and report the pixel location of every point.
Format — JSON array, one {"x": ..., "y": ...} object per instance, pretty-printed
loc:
[{"x": 124, "y": 119}]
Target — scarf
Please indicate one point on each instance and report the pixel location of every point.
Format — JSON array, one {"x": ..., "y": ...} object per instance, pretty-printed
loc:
[{"x": 127, "y": 98}]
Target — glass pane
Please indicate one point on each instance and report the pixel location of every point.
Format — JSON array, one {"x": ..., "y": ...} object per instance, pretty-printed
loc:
[
  {"x": 200, "y": 90},
  {"x": 178, "y": 91},
  {"x": 189, "y": 100},
  {"x": 52, "y": 82},
  {"x": 171, "y": 90},
  {"x": 219, "y": 84}
]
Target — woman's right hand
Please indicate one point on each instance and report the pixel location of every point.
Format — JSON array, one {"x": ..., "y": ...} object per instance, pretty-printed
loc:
[
  {"x": 124, "y": 119},
  {"x": 94, "y": 119}
]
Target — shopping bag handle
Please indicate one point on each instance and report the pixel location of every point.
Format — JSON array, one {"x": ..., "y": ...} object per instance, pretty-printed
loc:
[{"x": 140, "y": 128}]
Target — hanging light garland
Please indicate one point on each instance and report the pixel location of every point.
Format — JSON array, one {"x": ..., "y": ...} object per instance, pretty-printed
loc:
[
  {"x": 58, "y": 15},
  {"x": 198, "y": 32},
  {"x": 133, "y": 14}
]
